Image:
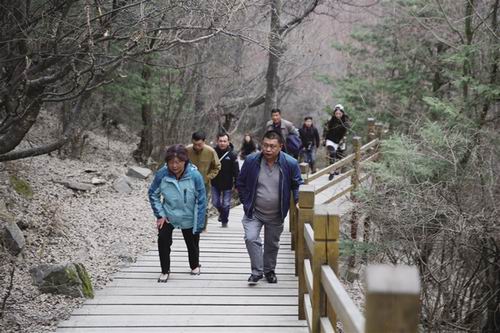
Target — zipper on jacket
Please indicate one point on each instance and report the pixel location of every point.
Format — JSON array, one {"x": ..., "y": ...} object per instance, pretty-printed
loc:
[{"x": 185, "y": 196}]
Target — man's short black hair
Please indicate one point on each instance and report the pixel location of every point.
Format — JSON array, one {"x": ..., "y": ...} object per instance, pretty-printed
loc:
[
  {"x": 198, "y": 135},
  {"x": 275, "y": 111},
  {"x": 274, "y": 135},
  {"x": 308, "y": 118},
  {"x": 221, "y": 134}
]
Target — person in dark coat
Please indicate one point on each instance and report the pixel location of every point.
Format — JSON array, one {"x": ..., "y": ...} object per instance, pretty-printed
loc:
[
  {"x": 248, "y": 147},
  {"x": 335, "y": 135},
  {"x": 310, "y": 140},
  {"x": 223, "y": 183}
]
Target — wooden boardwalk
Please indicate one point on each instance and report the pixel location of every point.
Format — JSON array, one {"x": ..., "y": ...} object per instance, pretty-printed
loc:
[{"x": 219, "y": 300}]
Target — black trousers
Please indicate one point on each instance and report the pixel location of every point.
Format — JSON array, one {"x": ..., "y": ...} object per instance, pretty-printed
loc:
[{"x": 165, "y": 242}]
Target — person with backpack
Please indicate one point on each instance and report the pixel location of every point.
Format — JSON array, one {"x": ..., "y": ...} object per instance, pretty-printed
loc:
[
  {"x": 289, "y": 132},
  {"x": 335, "y": 136},
  {"x": 177, "y": 197},
  {"x": 309, "y": 136},
  {"x": 265, "y": 185},
  {"x": 223, "y": 183}
]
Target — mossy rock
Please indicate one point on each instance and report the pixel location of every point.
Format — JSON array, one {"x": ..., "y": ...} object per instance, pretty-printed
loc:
[
  {"x": 88, "y": 290},
  {"x": 22, "y": 187},
  {"x": 71, "y": 280}
]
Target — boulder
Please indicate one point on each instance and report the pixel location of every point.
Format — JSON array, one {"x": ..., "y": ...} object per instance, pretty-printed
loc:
[
  {"x": 122, "y": 185},
  {"x": 66, "y": 279},
  {"x": 77, "y": 186},
  {"x": 138, "y": 172},
  {"x": 13, "y": 238}
]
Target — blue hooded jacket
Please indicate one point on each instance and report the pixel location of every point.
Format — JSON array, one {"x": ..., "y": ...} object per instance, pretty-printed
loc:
[
  {"x": 290, "y": 180},
  {"x": 183, "y": 202}
]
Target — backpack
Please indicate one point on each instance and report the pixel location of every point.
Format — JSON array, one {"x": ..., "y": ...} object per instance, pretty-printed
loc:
[{"x": 293, "y": 144}]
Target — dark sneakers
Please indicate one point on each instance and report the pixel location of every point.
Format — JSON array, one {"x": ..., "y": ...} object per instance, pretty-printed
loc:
[
  {"x": 254, "y": 279},
  {"x": 271, "y": 277}
]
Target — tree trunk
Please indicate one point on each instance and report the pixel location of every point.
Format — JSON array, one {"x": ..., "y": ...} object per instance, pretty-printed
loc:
[
  {"x": 275, "y": 52},
  {"x": 143, "y": 151}
]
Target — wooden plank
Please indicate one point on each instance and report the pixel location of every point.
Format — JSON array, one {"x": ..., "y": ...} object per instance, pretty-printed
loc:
[
  {"x": 211, "y": 264},
  {"x": 369, "y": 145},
  {"x": 204, "y": 276},
  {"x": 335, "y": 181},
  {"x": 326, "y": 326},
  {"x": 180, "y": 320},
  {"x": 144, "y": 283},
  {"x": 309, "y": 238},
  {"x": 337, "y": 165},
  {"x": 308, "y": 275},
  {"x": 195, "y": 299},
  {"x": 160, "y": 309},
  {"x": 164, "y": 290},
  {"x": 204, "y": 270},
  {"x": 308, "y": 310},
  {"x": 345, "y": 309},
  {"x": 231, "y": 329},
  {"x": 340, "y": 194}
]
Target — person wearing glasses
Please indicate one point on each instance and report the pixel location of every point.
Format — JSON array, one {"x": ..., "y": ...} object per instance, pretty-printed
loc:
[{"x": 265, "y": 184}]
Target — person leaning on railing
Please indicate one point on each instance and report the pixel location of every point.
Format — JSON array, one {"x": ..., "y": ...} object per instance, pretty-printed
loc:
[{"x": 334, "y": 136}]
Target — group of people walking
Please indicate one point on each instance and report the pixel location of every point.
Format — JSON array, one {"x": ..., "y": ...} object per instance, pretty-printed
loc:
[{"x": 270, "y": 176}]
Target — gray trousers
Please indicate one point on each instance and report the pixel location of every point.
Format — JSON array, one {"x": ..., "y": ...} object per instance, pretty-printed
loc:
[{"x": 262, "y": 261}]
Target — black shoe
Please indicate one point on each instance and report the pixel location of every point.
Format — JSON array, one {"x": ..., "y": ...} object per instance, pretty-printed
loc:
[
  {"x": 254, "y": 279},
  {"x": 224, "y": 225},
  {"x": 271, "y": 277},
  {"x": 330, "y": 176}
]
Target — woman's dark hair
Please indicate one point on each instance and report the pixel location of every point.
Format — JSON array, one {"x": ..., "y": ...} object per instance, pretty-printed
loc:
[
  {"x": 178, "y": 151},
  {"x": 308, "y": 118},
  {"x": 274, "y": 135}
]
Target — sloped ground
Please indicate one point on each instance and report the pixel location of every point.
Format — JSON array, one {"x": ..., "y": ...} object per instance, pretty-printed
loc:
[{"x": 100, "y": 228}]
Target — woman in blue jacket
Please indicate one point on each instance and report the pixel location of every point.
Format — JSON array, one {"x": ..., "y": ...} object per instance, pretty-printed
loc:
[{"x": 177, "y": 196}]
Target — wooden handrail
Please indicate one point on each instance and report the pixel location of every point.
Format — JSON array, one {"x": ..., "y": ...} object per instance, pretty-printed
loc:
[
  {"x": 369, "y": 145},
  {"x": 341, "y": 193},
  {"x": 392, "y": 293},
  {"x": 334, "y": 181},
  {"x": 347, "y": 312},
  {"x": 309, "y": 237},
  {"x": 337, "y": 165}
]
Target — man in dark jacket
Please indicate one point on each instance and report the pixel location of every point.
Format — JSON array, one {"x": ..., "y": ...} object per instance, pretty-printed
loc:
[
  {"x": 223, "y": 183},
  {"x": 265, "y": 184},
  {"x": 310, "y": 141}
]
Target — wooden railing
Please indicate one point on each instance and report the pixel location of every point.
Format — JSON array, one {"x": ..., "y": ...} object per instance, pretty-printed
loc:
[
  {"x": 352, "y": 165},
  {"x": 392, "y": 292}
]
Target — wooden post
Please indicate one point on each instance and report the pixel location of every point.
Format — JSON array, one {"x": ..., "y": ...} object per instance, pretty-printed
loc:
[
  {"x": 320, "y": 257},
  {"x": 392, "y": 299},
  {"x": 371, "y": 134},
  {"x": 292, "y": 221},
  {"x": 379, "y": 130},
  {"x": 306, "y": 213},
  {"x": 304, "y": 170},
  {"x": 356, "y": 143},
  {"x": 332, "y": 247}
]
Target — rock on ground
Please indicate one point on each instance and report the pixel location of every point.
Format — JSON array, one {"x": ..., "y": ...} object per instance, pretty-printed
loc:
[
  {"x": 13, "y": 238},
  {"x": 138, "y": 172}
]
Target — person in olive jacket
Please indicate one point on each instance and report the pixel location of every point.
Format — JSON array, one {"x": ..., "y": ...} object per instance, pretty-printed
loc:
[{"x": 223, "y": 183}]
